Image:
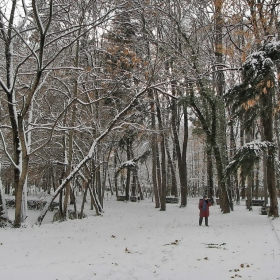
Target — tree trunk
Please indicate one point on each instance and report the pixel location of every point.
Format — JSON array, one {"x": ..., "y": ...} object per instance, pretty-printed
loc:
[
  {"x": 221, "y": 119},
  {"x": 163, "y": 161},
  {"x": 257, "y": 181},
  {"x": 209, "y": 167},
  {"x": 242, "y": 176},
  {"x": 224, "y": 200},
  {"x": 96, "y": 204},
  {"x": 184, "y": 186},
  {"x": 181, "y": 156},
  {"x": 234, "y": 176},
  {"x": 155, "y": 177},
  {"x": 128, "y": 157},
  {"x": 174, "y": 190},
  {"x": 98, "y": 183},
  {"x": 4, "y": 217},
  {"x": 134, "y": 182},
  {"x": 71, "y": 136},
  {"x": 265, "y": 177},
  {"x": 154, "y": 172},
  {"x": 139, "y": 189},
  {"x": 250, "y": 183},
  {"x": 267, "y": 121},
  {"x": 250, "y": 175},
  {"x": 86, "y": 186},
  {"x": 22, "y": 159},
  {"x": 115, "y": 177}
]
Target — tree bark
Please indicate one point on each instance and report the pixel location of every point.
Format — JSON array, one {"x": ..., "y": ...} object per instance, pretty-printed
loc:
[
  {"x": 209, "y": 166},
  {"x": 163, "y": 160},
  {"x": 181, "y": 155},
  {"x": 267, "y": 122},
  {"x": 174, "y": 190},
  {"x": 128, "y": 171}
]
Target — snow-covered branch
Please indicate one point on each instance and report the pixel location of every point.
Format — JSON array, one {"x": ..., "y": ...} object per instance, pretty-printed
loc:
[
  {"x": 247, "y": 155},
  {"x": 91, "y": 151}
]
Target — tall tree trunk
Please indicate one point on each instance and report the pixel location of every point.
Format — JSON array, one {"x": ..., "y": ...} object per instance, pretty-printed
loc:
[
  {"x": 154, "y": 152},
  {"x": 4, "y": 217},
  {"x": 115, "y": 177},
  {"x": 181, "y": 155},
  {"x": 209, "y": 167},
  {"x": 140, "y": 191},
  {"x": 265, "y": 189},
  {"x": 155, "y": 175},
  {"x": 95, "y": 202},
  {"x": 163, "y": 160},
  {"x": 267, "y": 122},
  {"x": 173, "y": 180},
  {"x": 250, "y": 175},
  {"x": 257, "y": 181},
  {"x": 134, "y": 182},
  {"x": 22, "y": 159},
  {"x": 71, "y": 136},
  {"x": 219, "y": 23},
  {"x": 86, "y": 187},
  {"x": 184, "y": 186},
  {"x": 155, "y": 160},
  {"x": 242, "y": 176},
  {"x": 98, "y": 185},
  {"x": 128, "y": 174},
  {"x": 234, "y": 180},
  {"x": 220, "y": 87}
]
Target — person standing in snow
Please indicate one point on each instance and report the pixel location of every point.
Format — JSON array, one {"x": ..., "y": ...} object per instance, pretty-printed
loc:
[{"x": 203, "y": 206}]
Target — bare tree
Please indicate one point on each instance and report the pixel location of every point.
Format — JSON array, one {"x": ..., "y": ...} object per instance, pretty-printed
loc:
[{"x": 34, "y": 39}]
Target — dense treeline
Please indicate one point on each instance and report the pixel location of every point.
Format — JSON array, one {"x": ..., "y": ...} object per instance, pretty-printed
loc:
[{"x": 172, "y": 97}]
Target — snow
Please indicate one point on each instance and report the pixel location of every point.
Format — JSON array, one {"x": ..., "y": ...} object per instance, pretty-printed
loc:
[{"x": 137, "y": 241}]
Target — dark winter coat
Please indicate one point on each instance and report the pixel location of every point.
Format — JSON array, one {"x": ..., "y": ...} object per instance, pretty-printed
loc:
[{"x": 204, "y": 213}]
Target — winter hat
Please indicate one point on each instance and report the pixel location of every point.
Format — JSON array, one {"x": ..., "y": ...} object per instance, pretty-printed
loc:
[{"x": 205, "y": 196}]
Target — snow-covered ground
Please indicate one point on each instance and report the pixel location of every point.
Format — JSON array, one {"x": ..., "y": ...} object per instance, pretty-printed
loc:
[{"x": 136, "y": 241}]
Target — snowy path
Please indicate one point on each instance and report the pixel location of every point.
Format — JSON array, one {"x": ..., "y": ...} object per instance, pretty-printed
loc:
[{"x": 137, "y": 241}]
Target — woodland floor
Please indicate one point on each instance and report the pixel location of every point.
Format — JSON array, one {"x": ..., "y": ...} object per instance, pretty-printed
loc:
[{"x": 136, "y": 241}]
